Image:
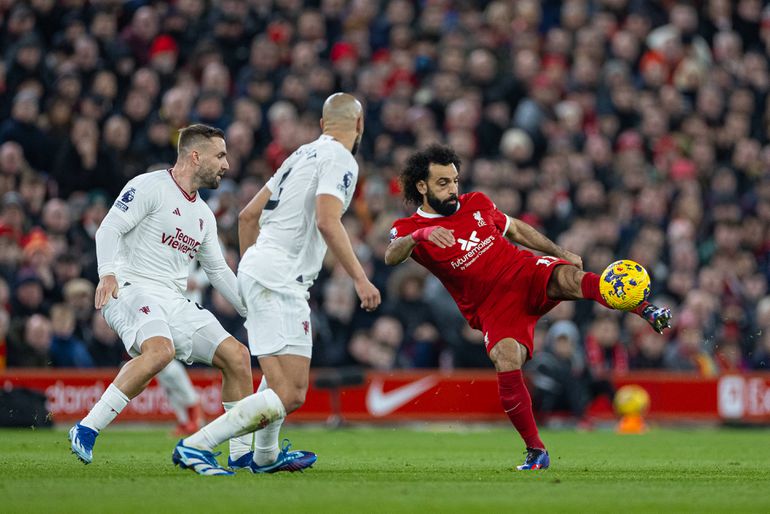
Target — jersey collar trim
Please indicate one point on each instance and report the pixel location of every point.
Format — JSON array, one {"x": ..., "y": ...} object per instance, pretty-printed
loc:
[
  {"x": 424, "y": 214},
  {"x": 189, "y": 198}
]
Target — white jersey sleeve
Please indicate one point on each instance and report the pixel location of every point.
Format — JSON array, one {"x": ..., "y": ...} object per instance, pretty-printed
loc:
[
  {"x": 336, "y": 178},
  {"x": 219, "y": 273},
  {"x": 120, "y": 220}
]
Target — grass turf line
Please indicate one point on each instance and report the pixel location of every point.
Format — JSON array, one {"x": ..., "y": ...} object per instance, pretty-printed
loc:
[{"x": 399, "y": 470}]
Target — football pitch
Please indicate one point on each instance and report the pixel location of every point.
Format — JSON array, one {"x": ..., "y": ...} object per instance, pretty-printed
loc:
[{"x": 399, "y": 469}]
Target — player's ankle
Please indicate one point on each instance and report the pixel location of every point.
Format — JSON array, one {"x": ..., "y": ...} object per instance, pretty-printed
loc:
[{"x": 265, "y": 456}]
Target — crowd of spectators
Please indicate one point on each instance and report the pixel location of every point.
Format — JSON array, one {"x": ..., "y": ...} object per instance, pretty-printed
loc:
[{"x": 620, "y": 128}]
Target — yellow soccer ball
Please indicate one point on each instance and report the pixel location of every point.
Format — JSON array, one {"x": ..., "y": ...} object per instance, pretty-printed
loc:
[
  {"x": 631, "y": 400},
  {"x": 624, "y": 285}
]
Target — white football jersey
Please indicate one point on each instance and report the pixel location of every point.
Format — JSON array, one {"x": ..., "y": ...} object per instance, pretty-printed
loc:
[
  {"x": 289, "y": 251},
  {"x": 163, "y": 229}
]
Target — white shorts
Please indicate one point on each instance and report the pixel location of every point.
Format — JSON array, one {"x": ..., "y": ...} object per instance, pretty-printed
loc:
[
  {"x": 141, "y": 312},
  {"x": 278, "y": 322}
]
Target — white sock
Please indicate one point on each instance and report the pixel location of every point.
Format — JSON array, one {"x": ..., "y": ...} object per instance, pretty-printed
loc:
[
  {"x": 252, "y": 413},
  {"x": 178, "y": 388},
  {"x": 241, "y": 445},
  {"x": 106, "y": 409},
  {"x": 266, "y": 440}
]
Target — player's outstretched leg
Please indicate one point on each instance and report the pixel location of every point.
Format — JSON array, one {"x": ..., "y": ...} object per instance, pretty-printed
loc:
[
  {"x": 157, "y": 352},
  {"x": 248, "y": 415},
  {"x": 570, "y": 283},
  {"x": 202, "y": 462},
  {"x": 287, "y": 460},
  {"x": 509, "y": 356}
]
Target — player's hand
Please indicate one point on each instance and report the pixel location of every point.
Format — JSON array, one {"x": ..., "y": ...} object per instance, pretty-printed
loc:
[
  {"x": 108, "y": 286},
  {"x": 439, "y": 236},
  {"x": 369, "y": 295},
  {"x": 573, "y": 258}
]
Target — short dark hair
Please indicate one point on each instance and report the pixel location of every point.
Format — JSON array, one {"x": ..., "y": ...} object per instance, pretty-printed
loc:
[
  {"x": 194, "y": 134},
  {"x": 417, "y": 165}
]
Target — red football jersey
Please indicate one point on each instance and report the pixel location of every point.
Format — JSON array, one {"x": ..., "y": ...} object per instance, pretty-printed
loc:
[{"x": 481, "y": 265}]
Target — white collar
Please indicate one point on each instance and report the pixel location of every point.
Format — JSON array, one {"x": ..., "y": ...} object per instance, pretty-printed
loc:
[{"x": 424, "y": 214}]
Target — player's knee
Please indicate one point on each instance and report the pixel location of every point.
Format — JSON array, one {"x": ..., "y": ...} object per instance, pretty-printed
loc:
[
  {"x": 564, "y": 283},
  {"x": 239, "y": 360},
  {"x": 159, "y": 351},
  {"x": 508, "y": 355},
  {"x": 232, "y": 357}
]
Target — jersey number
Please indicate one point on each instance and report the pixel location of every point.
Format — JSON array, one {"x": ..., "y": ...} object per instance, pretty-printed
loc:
[{"x": 276, "y": 196}]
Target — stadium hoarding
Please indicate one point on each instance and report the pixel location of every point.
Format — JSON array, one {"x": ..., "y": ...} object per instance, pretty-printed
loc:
[{"x": 409, "y": 396}]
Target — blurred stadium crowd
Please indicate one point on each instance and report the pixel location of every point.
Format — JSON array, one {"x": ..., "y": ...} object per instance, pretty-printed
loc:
[{"x": 620, "y": 128}]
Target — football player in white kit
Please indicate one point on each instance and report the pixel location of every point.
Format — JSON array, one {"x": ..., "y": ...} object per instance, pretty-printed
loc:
[
  {"x": 284, "y": 232},
  {"x": 144, "y": 247}
]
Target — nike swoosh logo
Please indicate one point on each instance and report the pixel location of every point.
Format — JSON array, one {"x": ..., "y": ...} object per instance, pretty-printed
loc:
[{"x": 380, "y": 403}]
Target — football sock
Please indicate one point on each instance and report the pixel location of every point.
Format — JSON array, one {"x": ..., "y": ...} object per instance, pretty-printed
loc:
[
  {"x": 266, "y": 440},
  {"x": 106, "y": 409},
  {"x": 240, "y": 445},
  {"x": 590, "y": 288},
  {"x": 639, "y": 309},
  {"x": 252, "y": 413},
  {"x": 518, "y": 406},
  {"x": 179, "y": 389}
]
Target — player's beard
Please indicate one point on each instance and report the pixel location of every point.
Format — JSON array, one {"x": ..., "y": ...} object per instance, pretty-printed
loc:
[
  {"x": 443, "y": 207},
  {"x": 208, "y": 179}
]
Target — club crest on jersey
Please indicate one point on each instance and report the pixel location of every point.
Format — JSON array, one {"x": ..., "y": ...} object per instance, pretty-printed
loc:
[
  {"x": 145, "y": 309},
  {"x": 479, "y": 219},
  {"x": 347, "y": 181},
  {"x": 127, "y": 197}
]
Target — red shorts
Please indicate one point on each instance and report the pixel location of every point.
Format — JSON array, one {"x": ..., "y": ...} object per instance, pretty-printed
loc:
[{"x": 514, "y": 308}]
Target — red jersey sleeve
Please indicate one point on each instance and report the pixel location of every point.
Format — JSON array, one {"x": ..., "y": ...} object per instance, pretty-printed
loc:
[{"x": 401, "y": 228}]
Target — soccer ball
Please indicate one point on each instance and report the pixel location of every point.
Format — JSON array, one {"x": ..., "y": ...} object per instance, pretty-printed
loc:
[
  {"x": 624, "y": 285},
  {"x": 631, "y": 400}
]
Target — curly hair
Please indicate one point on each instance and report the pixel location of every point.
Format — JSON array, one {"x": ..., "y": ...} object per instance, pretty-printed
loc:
[{"x": 417, "y": 165}]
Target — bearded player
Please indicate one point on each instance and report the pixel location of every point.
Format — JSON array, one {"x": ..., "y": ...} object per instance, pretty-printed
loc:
[
  {"x": 501, "y": 290},
  {"x": 144, "y": 247}
]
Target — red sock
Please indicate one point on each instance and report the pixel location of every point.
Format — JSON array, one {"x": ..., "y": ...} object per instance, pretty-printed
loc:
[
  {"x": 639, "y": 308},
  {"x": 518, "y": 406},
  {"x": 590, "y": 287}
]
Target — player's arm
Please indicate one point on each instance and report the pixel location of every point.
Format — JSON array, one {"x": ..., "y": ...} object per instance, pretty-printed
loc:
[
  {"x": 329, "y": 222},
  {"x": 216, "y": 268},
  {"x": 132, "y": 205},
  {"x": 526, "y": 235},
  {"x": 401, "y": 248},
  {"x": 248, "y": 219}
]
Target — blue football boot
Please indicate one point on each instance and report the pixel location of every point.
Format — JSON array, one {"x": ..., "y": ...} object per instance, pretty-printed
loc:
[
  {"x": 242, "y": 462},
  {"x": 536, "y": 459},
  {"x": 202, "y": 462},
  {"x": 287, "y": 461},
  {"x": 82, "y": 441},
  {"x": 659, "y": 318}
]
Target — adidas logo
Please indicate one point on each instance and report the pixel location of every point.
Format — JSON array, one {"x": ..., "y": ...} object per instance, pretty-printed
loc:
[
  {"x": 176, "y": 211},
  {"x": 467, "y": 244}
]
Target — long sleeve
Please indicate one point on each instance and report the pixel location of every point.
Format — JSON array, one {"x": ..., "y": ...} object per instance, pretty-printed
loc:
[
  {"x": 131, "y": 207},
  {"x": 214, "y": 264}
]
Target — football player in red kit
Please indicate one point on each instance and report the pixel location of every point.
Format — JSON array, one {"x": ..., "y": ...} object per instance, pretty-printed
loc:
[{"x": 466, "y": 242}]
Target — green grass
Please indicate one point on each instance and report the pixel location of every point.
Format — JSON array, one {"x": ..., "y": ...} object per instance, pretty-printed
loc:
[{"x": 400, "y": 470}]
